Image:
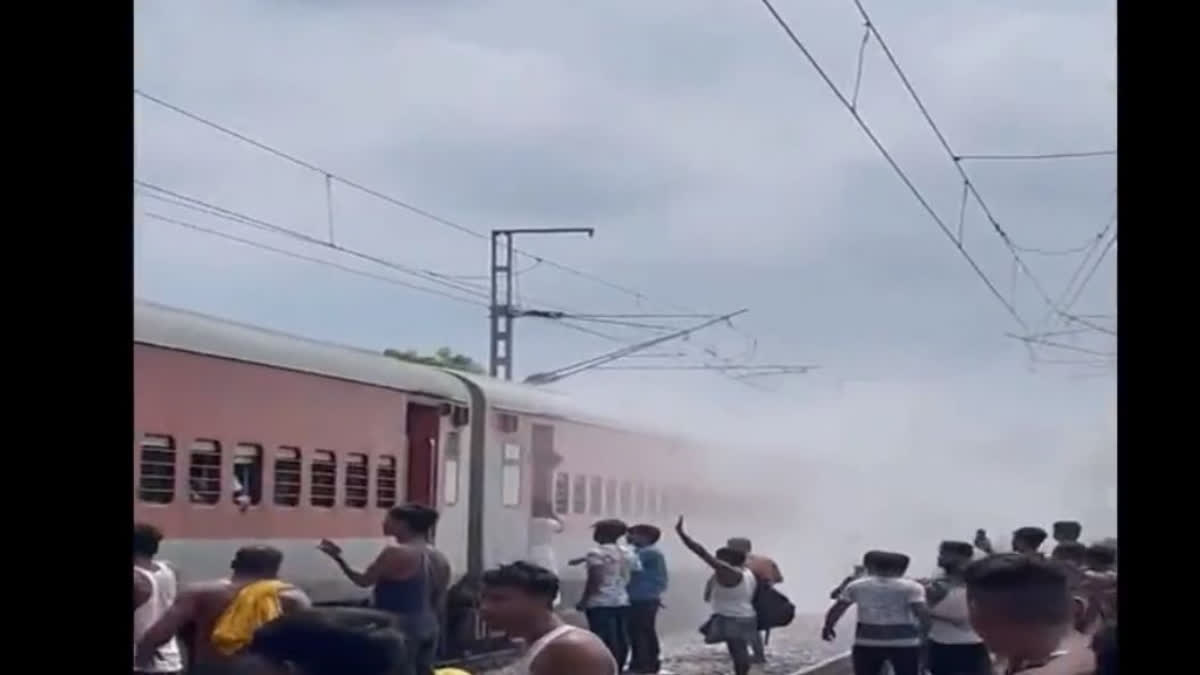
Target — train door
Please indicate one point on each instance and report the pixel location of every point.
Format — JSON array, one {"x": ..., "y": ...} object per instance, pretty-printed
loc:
[
  {"x": 422, "y": 427},
  {"x": 543, "y": 463}
]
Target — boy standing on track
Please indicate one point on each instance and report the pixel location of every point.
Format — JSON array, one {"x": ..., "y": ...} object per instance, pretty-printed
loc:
[
  {"x": 733, "y": 620},
  {"x": 605, "y": 598},
  {"x": 646, "y": 587},
  {"x": 766, "y": 574},
  {"x": 892, "y": 616},
  {"x": 954, "y": 647}
]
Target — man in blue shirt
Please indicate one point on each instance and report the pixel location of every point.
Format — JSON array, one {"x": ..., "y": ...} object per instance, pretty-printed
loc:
[{"x": 646, "y": 588}]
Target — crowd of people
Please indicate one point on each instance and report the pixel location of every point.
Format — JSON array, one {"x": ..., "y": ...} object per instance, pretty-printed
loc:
[{"x": 985, "y": 613}]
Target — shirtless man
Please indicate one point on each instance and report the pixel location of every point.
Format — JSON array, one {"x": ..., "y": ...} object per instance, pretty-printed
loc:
[
  {"x": 518, "y": 599},
  {"x": 203, "y": 603},
  {"x": 409, "y": 579}
]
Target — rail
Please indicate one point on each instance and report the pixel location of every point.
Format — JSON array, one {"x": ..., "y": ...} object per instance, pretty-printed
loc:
[{"x": 836, "y": 665}]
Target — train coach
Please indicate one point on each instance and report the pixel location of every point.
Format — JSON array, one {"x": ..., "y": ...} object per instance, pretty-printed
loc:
[{"x": 245, "y": 435}]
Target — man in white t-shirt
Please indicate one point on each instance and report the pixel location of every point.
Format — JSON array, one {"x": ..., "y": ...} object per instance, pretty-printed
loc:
[
  {"x": 892, "y": 616},
  {"x": 605, "y": 599},
  {"x": 954, "y": 647}
]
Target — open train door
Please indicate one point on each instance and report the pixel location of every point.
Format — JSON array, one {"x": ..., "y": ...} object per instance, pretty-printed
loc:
[{"x": 422, "y": 428}]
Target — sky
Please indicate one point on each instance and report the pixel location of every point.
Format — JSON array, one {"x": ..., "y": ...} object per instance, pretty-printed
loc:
[{"x": 719, "y": 172}]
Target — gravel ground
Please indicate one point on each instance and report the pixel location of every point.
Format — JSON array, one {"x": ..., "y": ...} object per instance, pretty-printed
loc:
[{"x": 789, "y": 650}]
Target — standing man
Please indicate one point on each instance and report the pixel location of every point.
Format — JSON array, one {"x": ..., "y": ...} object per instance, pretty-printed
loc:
[
  {"x": 605, "y": 598},
  {"x": 409, "y": 579},
  {"x": 1028, "y": 541},
  {"x": 646, "y": 588},
  {"x": 226, "y": 612},
  {"x": 1066, "y": 531},
  {"x": 766, "y": 574},
  {"x": 892, "y": 616},
  {"x": 1022, "y": 607},
  {"x": 154, "y": 590},
  {"x": 518, "y": 599},
  {"x": 954, "y": 647}
]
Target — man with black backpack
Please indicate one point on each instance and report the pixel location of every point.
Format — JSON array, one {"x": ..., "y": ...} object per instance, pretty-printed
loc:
[{"x": 773, "y": 608}]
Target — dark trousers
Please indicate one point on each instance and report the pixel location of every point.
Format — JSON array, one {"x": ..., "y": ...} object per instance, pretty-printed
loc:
[
  {"x": 422, "y": 654},
  {"x": 739, "y": 652},
  {"x": 643, "y": 637},
  {"x": 611, "y": 625},
  {"x": 968, "y": 659},
  {"x": 870, "y": 660}
]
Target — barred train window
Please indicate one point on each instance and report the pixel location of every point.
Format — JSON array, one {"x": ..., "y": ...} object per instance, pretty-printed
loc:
[
  {"x": 204, "y": 472},
  {"x": 664, "y": 504},
  {"x": 610, "y": 496},
  {"x": 579, "y": 494},
  {"x": 596, "y": 493},
  {"x": 324, "y": 479},
  {"x": 357, "y": 480},
  {"x": 450, "y": 472},
  {"x": 626, "y": 506},
  {"x": 639, "y": 499},
  {"x": 248, "y": 473},
  {"x": 156, "y": 483},
  {"x": 385, "y": 482},
  {"x": 287, "y": 476},
  {"x": 651, "y": 500},
  {"x": 562, "y": 493}
]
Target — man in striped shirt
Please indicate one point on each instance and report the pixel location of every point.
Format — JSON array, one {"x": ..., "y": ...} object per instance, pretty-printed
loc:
[{"x": 892, "y": 616}]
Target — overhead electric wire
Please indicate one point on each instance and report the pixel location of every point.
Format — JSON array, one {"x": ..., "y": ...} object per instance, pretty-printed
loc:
[
  {"x": 319, "y": 261},
  {"x": 220, "y": 211},
  {"x": 1034, "y": 157},
  {"x": 1057, "y": 308},
  {"x": 903, "y": 175},
  {"x": 955, "y": 158},
  {"x": 1091, "y": 273},
  {"x": 332, "y": 176}
]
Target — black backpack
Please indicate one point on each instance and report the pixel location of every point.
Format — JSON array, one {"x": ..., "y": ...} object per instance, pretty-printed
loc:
[{"x": 773, "y": 608}]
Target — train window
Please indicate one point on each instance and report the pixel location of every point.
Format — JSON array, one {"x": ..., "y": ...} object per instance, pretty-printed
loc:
[
  {"x": 664, "y": 504},
  {"x": 626, "y": 494},
  {"x": 358, "y": 478},
  {"x": 385, "y": 482},
  {"x": 507, "y": 423},
  {"x": 651, "y": 500},
  {"x": 287, "y": 476},
  {"x": 204, "y": 472},
  {"x": 562, "y": 493},
  {"x": 639, "y": 499},
  {"x": 323, "y": 478},
  {"x": 579, "y": 494},
  {"x": 597, "y": 496},
  {"x": 510, "y": 475},
  {"x": 157, "y": 465},
  {"x": 247, "y": 474},
  {"x": 610, "y": 496},
  {"x": 453, "y": 453}
]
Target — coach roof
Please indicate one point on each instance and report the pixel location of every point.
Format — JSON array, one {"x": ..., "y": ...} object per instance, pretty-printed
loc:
[{"x": 173, "y": 328}]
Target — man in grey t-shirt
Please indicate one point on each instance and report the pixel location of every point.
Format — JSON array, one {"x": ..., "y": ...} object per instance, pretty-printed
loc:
[{"x": 892, "y": 616}]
